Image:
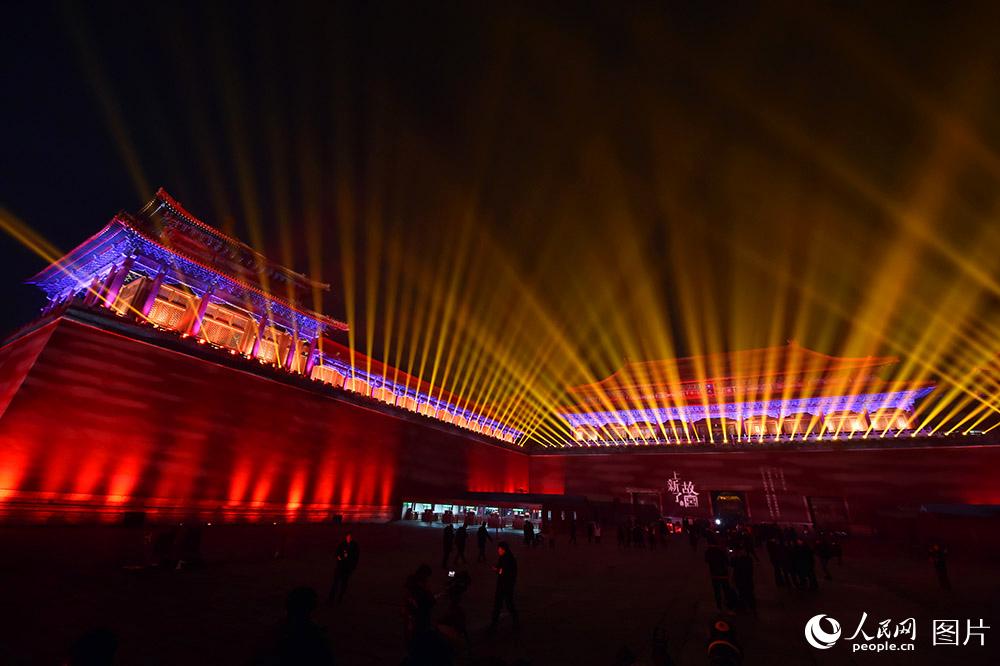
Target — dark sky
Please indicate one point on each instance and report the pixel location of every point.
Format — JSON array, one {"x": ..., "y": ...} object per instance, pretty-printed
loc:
[{"x": 303, "y": 117}]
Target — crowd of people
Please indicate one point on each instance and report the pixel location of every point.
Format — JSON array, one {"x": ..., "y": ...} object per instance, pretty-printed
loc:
[{"x": 436, "y": 624}]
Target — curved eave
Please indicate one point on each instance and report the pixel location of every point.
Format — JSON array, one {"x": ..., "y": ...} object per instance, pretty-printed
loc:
[{"x": 176, "y": 205}]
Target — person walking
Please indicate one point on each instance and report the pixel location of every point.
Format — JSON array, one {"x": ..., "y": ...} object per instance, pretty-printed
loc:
[
  {"x": 572, "y": 531},
  {"x": 718, "y": 569},
  {"x": 743, "y": 579},
  {"x": 348, "y": 555},
  {"x": 460, "y": 536},
  {"x": 482, "y": 536},
  {"x": 506, "y": 569},
  {"x": 448, "y": 541}
]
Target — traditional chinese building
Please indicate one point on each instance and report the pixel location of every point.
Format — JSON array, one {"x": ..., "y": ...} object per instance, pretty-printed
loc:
[
  {"x": 177, "y": 373},
  {"x": 772, "y": 392},
  {"x": 166, "y": 268}
]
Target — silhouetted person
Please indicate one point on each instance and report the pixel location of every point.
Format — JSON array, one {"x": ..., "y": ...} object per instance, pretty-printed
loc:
[
  {"x": 938, "y": 556},
  {"x": 424, "y": 643},
  {"x": 572, "y": 531},
  {"x": 447, "y": 543},
  {"x": 621, "y": 536},
  {"x": 299, "y": 639},
  {"x": 529, "y": 533},
  {"x": 638, "y": 536},
  {"x": 718, "y": 568},
  {"x": 460, "y": 536},
  {"x": 590, "y": 532},
  {"x": 348, "y": 555},
  {"x": 775, "y": 553},
  {"x": 419, "y": 602},
  {"x": 453, "y": 622},
  {"x": 805, "y": 565},
  {"x": 95, "y": 648},
  {"x": 597, "y": 532},
  {"x": 693, "y": 536},
  {"x": 824, "y": 551},
  {"x": 506, "y": 569},
  {"x": 743, "y": 579},
  {"x": 482, "y": 536}
]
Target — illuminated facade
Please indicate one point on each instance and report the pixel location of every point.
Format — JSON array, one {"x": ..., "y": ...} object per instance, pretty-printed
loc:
[
  {"x": 176, "y": 373},
  {"x": 165, "y": 268},
  {"x": 775, "y": 393}
]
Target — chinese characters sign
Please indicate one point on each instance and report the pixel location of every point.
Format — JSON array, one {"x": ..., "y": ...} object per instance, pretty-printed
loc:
[{"x": 683, "y": 491}]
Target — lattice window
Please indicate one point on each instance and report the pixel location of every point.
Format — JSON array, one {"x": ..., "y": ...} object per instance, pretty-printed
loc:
[
  {"x": 224, "y": 326},
  {"x": 170, "y": 308},
  {"x": 384, "y": 394},
  {"x": 270, "y": 345},
  {"x": 327, "y": 375}
]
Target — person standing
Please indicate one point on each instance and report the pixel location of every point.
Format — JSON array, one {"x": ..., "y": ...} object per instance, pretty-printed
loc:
[
  {"x": 718, "y": 569},
  {"x": 597, "y": 532},
  {"x": 824, "y": 550},
  {"x": 482, "y": 536},
  {"x": 805, "y": 565},
  {"x": 572, "y": 531},
  {"x": 938, "y": 556},
  {"x": 506, "y": 569},
  {"x": 446, "y": 544},
  {"x": 776, "y": 553},
  {"x": 692, "y": 531},
  {"x": 299, "y": 639},
  {"x": 529, "y": 533},
  {"x": 348, "y": 555},
  {"x": 460, "y": 536},
  {"x": 743, "y": 579}
]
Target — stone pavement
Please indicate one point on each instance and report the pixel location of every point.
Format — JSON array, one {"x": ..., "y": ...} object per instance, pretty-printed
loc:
[{"x": 579, "y": 605}]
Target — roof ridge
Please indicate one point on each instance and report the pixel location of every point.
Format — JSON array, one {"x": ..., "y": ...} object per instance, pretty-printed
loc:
[
  {"x": 165, "y": 197},
  {"x": 295, "y": 308}
]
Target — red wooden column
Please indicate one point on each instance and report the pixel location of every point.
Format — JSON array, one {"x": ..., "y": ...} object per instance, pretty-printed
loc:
[
  {"x": 261, "y": 325},
  {"x": 154, "y": 289},
  {"x": 115, "y": 285},
  {"x": 200, "y": 314},
  {"x": 293, "y": 349},
  {"x": 311, "y": 355}
]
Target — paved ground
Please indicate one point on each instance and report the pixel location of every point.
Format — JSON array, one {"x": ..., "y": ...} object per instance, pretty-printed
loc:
[{"x": 579, "y": 605}]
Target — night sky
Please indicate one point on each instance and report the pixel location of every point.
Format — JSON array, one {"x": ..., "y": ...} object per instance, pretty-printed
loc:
[{"x": 727, "y": 125}]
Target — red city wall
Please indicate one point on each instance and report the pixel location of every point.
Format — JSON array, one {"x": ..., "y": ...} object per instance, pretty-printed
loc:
[
  {"x": 776, "y": 483},
  {"x": 93, "y": 423}
]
